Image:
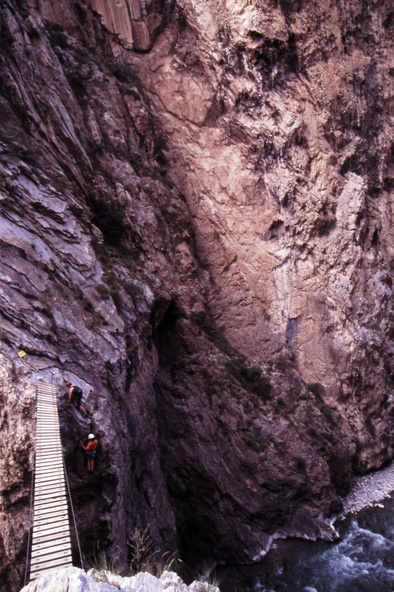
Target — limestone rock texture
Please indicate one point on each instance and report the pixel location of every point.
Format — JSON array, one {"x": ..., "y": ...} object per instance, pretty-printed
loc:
[
  {"x": 196, "y": 228},
  {"x": 73, "y": 579}
]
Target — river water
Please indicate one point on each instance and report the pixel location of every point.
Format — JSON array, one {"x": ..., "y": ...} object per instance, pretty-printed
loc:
[{"x": 362, "y": 560}]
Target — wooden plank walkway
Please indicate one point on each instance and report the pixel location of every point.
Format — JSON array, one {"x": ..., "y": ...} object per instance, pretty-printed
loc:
[{"x": 51, "y": 543}]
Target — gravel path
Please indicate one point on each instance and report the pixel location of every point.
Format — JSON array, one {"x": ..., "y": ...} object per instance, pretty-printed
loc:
[{"x": 369, "y": 490}]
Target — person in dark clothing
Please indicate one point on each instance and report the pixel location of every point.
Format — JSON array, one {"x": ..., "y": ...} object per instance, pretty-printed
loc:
[{"x": 75, "y": 396}]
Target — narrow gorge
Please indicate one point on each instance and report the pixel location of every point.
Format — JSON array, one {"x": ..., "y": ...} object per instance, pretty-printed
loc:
[{"x": 196, "y": 227}]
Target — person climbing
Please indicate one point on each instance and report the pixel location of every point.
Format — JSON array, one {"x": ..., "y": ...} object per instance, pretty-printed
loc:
[
  {"x": 90, "y": 450},
  {"x": 75, "y": 396}
]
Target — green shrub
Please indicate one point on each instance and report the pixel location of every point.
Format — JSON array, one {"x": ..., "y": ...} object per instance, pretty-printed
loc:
[
  {"x": 256, "y": 440},
  {"x": 316, "y": 434},
  {"x": 249, "y": 377},
  {"x": 142, "y": 556},
  {"x": 103, "y": 291},
  {"x": 88, "y": 306},
  {"x": 133, "y": 290},
  {"x": 327, "y": 412},
  {"x": 206, "y": 322}
]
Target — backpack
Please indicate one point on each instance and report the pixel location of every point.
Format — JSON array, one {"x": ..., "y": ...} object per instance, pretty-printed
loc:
[{"x": 77, "y": 394}]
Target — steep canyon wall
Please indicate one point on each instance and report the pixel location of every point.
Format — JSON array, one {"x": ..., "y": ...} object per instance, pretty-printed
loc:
[{"x": 196, "y": 228}]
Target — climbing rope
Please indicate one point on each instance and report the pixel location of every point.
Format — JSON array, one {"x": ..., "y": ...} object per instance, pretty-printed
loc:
[{"x": 72, "y": 511}]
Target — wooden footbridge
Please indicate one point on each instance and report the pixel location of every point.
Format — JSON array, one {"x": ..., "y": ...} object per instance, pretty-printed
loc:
[{"x": 51, "y": 543}]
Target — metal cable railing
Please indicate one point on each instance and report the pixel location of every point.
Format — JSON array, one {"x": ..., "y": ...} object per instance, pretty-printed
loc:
[{"x": 73, "y": 514}]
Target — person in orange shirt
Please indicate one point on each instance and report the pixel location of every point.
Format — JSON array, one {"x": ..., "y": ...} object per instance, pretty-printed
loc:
[{"x": 90, "y": 449}]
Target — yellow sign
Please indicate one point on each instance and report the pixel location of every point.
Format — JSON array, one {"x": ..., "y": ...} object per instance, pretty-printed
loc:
[{"x": 21, "y": 353}]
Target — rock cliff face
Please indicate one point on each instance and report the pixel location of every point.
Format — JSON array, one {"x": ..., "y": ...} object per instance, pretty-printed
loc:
[{"x": 196, "y": 228}]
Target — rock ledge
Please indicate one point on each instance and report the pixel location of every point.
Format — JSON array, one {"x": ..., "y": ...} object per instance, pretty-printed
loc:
[{"x": 73, "y": 579}]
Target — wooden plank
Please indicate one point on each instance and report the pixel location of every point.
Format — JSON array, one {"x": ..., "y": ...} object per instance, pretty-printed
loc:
[
  {"x": 50, "y": 467},
  {"x": 49, "y": 462},
  {"x": 61, "y": 534},
  {"x": 48, "y": 434},
  {"x": 53, "y": 515},
  {"x": 49, "y": 535},
  {"x": 47, "y": 560},
  {"x": 48, "y": 529},
  {"x": 43, "y": 492},
  {"x": 45, "y": 419},
  {"x": 44, "y": 502},
  {"x": 64, "y": 561},
  {"x": 51, "y": 511},
  {"x": 44, "y": 499},
  {"x": 45, "y": 423},
  {"x": 52, "y": 492},
  {"x": 46, "y": 448},
  {"x": 57, "y": 560},
  {"x": 51, "y": 520},
  {"x": 45, "y": 461},
  {"x": 46, "y": 391},
  {"x": 49, "y": 475},
  {"x": 53, "y": 489},
  {"x": 49, "y": 472},
  {"x": 57, "y": 473},
  {"x": 48, "y": 403},
  {"x": 42, "y": 549},
  {"x": 61, "y": 543},
  {"x": 44, "y": 487},
  {"x": 46, "y": 458},
  {"x": 50, "y": 507},
  {"x": 41, "y": 505},
  {"x": 50, "y": 547}
]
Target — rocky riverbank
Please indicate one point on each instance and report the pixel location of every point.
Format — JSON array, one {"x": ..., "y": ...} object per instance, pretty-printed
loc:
[{"x": 369, "y": 490}]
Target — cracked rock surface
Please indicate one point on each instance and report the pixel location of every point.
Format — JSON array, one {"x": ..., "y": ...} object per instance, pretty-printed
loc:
[
  {"x": 73, "y": 579},
  {"x": 196, "y": 228}
]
